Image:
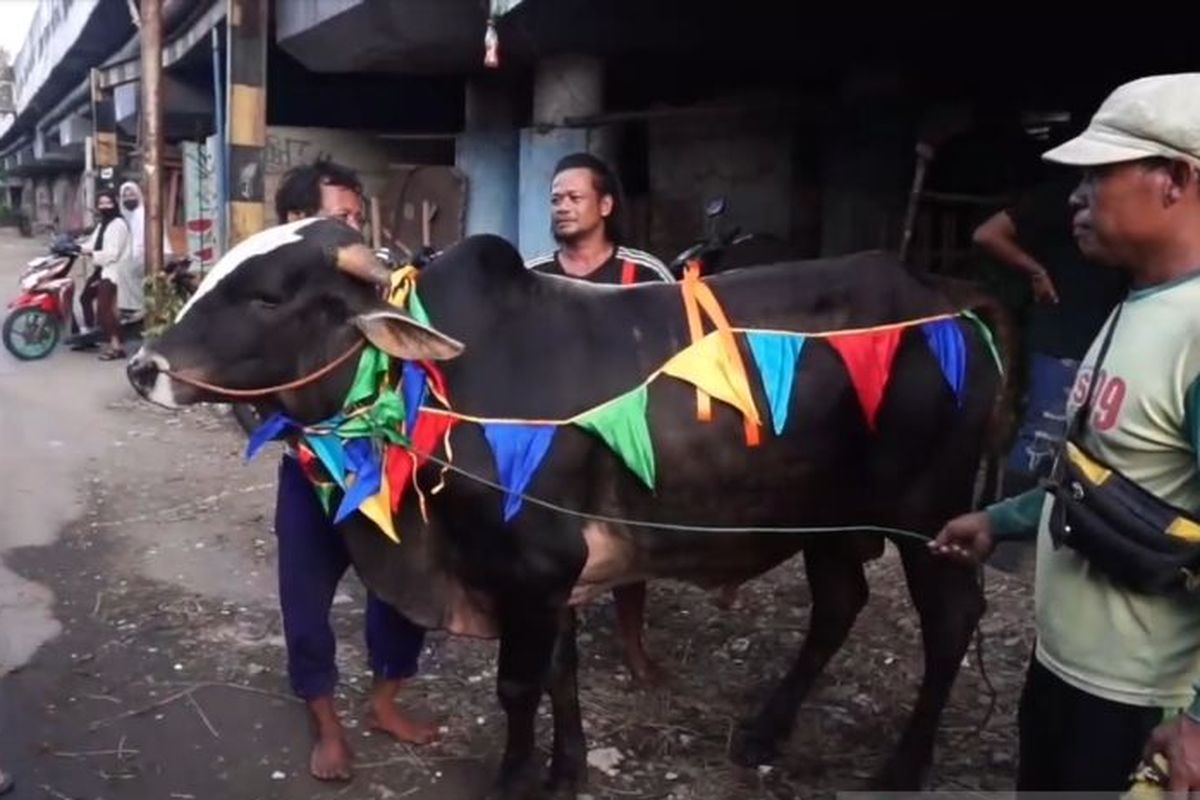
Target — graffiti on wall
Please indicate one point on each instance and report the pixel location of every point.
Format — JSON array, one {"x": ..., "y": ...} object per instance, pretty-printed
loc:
[{"x": 284, "y": 151}]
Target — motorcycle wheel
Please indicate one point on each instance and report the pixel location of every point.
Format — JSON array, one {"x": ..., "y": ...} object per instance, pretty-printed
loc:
[
  {"x": 31, "y": 333},
  {"x": 246, "y": 416}
]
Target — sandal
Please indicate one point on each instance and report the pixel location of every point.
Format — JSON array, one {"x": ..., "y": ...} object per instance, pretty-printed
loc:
[{"x": 112, "y": 354}]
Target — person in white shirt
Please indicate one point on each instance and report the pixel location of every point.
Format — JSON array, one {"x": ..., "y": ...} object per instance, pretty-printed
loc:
[{"x": 110, "y": 250}]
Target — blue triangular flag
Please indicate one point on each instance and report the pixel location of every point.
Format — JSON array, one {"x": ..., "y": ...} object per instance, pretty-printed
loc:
[
  {"x": 414, "y": 388},
  {"x": 518, "y": 449},
  {"x": 776, "y": 355},
  {"x": 270, "y": 430},
  {"x": 328, "y": 449},
  {"x": 945, "y": 340},
  {"x": 363, "y": 461}
]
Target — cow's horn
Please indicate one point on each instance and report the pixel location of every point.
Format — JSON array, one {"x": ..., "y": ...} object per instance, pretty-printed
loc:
[{"x": 359, "y": 261}]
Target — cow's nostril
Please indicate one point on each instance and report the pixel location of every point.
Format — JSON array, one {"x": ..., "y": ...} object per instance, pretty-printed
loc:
[{"x": 142, "y": 371}]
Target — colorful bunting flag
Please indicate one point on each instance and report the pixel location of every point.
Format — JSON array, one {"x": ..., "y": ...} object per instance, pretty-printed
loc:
[
  {"x": 707, "y": 366},
  {"x": 945, "y": 340},
  {"x": 518, "y": 450},
  {"x": 428, "y": 432},
  {"x": 868, "y": 356},
  {"x": 416, "y": 309},
  {"x": 988, "y": 338},
  {"x": 372, "y": 366},
  {"x": 378, "y": 509},
  {"x": 328, "y": 448},
  {"x": 380, "y": 420},
  {"x": 271, "y": 429},
  {"x": 364, "y": 475},
  {"x": 413, "y": 385},
  {"x": 776, "y": 355},
  {"x": 621, "y": 424}
]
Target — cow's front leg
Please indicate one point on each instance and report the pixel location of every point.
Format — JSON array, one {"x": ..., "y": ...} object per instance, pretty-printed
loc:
[
  {"x": 527, "y": 638},
  {"x": 568, "y": 760}
]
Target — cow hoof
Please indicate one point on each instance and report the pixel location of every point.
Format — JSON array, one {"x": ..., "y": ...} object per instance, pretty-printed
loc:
[
  {"x": 565, "y": 784},
  {"x": 751, "y": 749},
  {"x": 564, "y": 791},
  {"x": 524, "y": 787},
  {"x": 896, "y": 777}
]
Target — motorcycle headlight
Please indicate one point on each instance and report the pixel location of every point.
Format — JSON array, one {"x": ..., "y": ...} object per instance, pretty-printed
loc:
[{"x": 29, "y": 282}]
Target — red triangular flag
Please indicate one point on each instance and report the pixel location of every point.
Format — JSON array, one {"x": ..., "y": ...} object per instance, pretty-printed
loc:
[
  {"x": 868, "y": 357},
  {"x": 399, "y": 462}
]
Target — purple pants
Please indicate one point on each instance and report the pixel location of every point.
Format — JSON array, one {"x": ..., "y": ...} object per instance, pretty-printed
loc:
[{"x": 312, "y": 560}]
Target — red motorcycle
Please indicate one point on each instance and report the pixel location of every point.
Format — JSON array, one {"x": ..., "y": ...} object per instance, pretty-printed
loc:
[{"x": 39, "y": 313}]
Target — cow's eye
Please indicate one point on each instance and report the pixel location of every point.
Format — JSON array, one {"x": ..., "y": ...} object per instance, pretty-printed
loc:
[{"x": 265, "y": 302}]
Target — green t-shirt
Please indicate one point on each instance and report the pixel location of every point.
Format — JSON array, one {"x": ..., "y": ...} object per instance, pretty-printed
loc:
[{"x": 1126, "y": 647}]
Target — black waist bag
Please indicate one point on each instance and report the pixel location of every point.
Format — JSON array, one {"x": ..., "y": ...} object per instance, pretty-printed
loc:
[{"x": 1133, "y": 537}]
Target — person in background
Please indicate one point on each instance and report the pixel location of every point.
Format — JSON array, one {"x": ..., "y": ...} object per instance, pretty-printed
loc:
[
  {"x": 1112, "y": 658},
  {"x": 586, "y": 217},
  {"x": 1071, "y": 299},
  {"x": 313, "y": 558},
  {"x": 110, "y": 249},
  {"x": 586, "y": 214}
]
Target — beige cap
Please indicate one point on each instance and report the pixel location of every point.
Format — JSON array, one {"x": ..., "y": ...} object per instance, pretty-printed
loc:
[{"x": 1151, "y": 117}]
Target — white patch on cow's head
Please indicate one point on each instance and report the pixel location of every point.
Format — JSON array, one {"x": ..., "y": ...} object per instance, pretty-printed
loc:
[{"x": 259, "y": 244}]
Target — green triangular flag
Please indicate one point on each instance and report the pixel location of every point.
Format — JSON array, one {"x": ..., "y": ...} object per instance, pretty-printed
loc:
[
  {"x": 416, "y": 309},
  {"x": 371, "y": 365},
  {"x": 621, "y": 423},
  {"x": 324, "y": 494},
  {"x": 987, "y": 338}
]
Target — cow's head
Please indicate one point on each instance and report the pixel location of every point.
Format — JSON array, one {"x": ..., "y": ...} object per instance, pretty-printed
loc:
[{"x": 277, "y": 307}]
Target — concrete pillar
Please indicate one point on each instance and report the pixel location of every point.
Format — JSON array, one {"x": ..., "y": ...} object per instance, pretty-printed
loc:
[
  {"x": 563, "y": 86},
  {"x": 487, "y": 153}
]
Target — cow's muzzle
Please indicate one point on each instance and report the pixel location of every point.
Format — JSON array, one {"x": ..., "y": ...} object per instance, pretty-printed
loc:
[{"x": 147, "y": 373}]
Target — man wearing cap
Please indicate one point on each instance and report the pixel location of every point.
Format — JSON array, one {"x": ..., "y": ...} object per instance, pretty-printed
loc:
[{"x": 1112, "y": 662}]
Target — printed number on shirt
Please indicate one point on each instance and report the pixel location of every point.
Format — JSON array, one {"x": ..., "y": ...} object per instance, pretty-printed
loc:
[{"x": 1109, "y": 397}]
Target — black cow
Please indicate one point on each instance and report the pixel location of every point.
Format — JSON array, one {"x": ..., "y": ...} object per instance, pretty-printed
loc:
[{"x": 535, "y": 346}]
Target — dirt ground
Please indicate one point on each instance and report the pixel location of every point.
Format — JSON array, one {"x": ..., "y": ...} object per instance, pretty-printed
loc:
[{"x": 160, "y": 671}]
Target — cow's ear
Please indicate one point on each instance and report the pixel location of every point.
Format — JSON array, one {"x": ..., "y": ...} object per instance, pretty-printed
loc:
[{"x": 401, "y": 336}]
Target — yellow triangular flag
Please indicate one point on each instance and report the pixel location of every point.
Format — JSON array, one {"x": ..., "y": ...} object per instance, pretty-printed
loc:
[
  {"x": 378, "y": 509},
  {"x": 707, "y": 366}
]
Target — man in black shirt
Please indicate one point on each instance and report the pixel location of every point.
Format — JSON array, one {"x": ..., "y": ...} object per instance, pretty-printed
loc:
[
  {"x": 1071, "y": 299},
  {"x": 585, "y": 200}
]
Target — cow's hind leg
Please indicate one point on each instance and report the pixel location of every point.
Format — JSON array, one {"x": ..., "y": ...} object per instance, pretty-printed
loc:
[
  {"x": 949, "y": 602},
  {"x": 568, "y": 759},
  {"x": 839, "y": 591}
]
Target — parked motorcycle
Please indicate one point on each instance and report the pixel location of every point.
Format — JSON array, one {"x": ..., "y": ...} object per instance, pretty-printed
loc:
[
  {"x": 38, "y": 315},
  {"x": 721, "y": 250}
]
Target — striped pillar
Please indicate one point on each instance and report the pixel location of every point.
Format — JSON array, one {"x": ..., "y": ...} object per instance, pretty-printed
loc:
[
  {"x": 247, "y": 116},
  {"x": 105, "y": 156}
]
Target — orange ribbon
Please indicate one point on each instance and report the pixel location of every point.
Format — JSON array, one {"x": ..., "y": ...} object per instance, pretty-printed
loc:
[{"x": 698, "y": 296}]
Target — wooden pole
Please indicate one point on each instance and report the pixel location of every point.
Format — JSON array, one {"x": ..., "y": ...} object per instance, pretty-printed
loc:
[
  {"x": 376, "y": 231},
  {"x": 152, "y": 140}
]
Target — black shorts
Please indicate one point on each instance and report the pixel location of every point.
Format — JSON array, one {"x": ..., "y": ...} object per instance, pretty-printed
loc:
[{"x": 1075, "y": 741}]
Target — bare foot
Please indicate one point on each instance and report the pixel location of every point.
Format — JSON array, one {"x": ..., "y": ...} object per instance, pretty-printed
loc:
[
  {"x": 330, "y": 760},
  {"x": 385, "y": 717},
  {"x": 645, "y": 671},
  {"x": 726, "y": 596}
]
